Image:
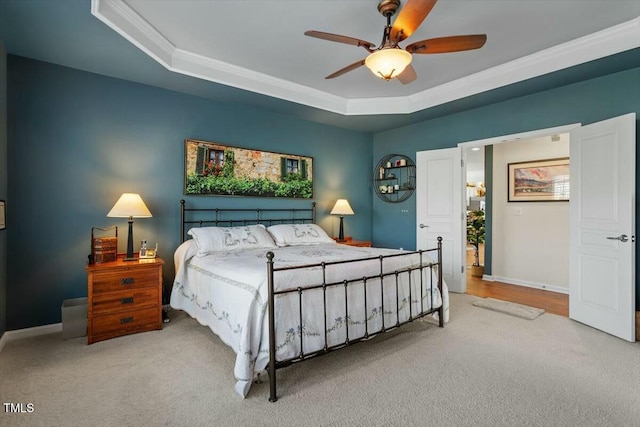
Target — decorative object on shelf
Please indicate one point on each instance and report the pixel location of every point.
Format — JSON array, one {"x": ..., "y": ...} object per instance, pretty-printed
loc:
[
  {"x": 103, "y": 248},
  {"x": 475, "y": 236},
  {"x": 130, "y": 205},
  {"x": 342, "y": 208},
  {"x": 398, "y": 180},
  {"x": 539, "y": 181}
]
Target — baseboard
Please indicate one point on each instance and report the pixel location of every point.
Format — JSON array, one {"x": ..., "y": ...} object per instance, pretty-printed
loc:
[
  {"x": 527, "y": 284},
  {"x": 29, "y": 332}
]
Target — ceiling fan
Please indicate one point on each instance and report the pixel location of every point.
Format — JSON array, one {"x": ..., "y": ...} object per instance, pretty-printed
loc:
[{"x": 389, "y": 60}]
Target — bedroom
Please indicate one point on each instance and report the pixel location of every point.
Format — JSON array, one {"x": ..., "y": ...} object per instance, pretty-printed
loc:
[{"x": 76, "y": 140}]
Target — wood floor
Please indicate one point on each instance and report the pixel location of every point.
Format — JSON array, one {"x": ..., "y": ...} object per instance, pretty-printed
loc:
[{"x": 552, "y": 302}]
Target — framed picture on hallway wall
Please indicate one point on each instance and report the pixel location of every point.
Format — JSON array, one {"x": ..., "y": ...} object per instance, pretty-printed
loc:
[{"x": 539, "y": 181}]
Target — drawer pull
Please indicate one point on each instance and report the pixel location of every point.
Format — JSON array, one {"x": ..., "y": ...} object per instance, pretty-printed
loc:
[
  {"x": 127, "y": 281},
  {"x": 126, "y": 319},
  {"x": 127, "y": 300}
]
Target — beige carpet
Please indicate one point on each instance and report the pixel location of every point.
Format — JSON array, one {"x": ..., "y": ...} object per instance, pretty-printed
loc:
[
  {"x": 482, "y": 369},
  {"x": 511, "y": 308}
]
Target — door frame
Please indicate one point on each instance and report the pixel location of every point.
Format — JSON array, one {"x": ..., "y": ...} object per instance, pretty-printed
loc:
[{"x": 511, "y": 138}]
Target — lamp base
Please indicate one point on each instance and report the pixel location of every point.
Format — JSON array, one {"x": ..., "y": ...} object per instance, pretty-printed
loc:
[
  {"x": 130, "y": 256},
  {"x": 341, "y": 234}
]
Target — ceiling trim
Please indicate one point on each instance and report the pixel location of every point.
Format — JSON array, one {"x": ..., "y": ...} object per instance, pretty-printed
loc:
[{"x": 129, "y": 24}]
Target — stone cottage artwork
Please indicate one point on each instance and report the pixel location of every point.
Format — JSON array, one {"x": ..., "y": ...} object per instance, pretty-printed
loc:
[{"x": 217, "y": 169}]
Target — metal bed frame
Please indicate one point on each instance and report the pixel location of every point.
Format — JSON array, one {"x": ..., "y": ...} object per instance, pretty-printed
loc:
[{"x": 203, "y": 217}]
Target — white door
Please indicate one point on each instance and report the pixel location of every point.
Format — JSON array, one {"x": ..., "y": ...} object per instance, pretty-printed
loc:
[
  {"x": 439, "y": 210},
  {"x": 602, "y": 226}
]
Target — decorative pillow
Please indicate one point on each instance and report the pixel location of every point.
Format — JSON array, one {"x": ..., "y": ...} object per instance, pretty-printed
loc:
[
  {"x": 217, "y": 239},
  {"x": 298, "y": 234}
]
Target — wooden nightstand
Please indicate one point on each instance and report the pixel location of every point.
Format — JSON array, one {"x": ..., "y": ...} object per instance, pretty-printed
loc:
[
  {"x": 124, "y": 297},
  {"x": 349, "y": 241}
]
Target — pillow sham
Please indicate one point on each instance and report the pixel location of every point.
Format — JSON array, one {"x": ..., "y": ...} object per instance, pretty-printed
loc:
[
  {"x": 218, "y": 239},
  {"x": 298, "y": 234}
]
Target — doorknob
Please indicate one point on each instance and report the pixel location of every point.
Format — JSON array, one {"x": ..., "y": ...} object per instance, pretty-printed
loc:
[
  {"x": 622, "y": 238},
  {"x": 424, "y": 226}
]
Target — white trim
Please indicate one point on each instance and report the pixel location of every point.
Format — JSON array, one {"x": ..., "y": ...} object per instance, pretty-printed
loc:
[
  {"x": 519, "y": 136},
  {"x": 118, "y": 15},
  {"x": 36, "y": 331},
  {"x": 525, "y": 283}
]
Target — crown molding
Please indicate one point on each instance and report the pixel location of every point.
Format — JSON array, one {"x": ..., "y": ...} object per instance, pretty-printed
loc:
[{"x": 130, "y": 25}]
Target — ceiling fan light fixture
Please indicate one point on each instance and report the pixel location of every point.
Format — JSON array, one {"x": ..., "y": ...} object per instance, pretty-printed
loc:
[{"x": 388, "y": 63}]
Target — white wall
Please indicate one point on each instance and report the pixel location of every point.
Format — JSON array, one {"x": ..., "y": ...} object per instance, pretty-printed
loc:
[{"x": 532, "y": 248}]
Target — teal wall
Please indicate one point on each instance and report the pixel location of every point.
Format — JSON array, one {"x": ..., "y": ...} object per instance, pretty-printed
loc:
[
  {"x": 585, "y": 102},
  {"x": 77, "y": 140},
  {"x": 3, "y": 187}
]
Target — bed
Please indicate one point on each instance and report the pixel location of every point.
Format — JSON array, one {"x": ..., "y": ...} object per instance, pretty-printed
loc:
[{"x": 276, "y": 289}]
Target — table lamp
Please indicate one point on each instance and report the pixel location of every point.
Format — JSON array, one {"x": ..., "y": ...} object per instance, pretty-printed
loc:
[
  {"x": 130, "y": 205},
  {"x": 342, "y": 208}
]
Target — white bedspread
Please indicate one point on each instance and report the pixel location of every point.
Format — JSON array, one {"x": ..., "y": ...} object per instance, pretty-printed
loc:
[{"x": 228, "y": 293}]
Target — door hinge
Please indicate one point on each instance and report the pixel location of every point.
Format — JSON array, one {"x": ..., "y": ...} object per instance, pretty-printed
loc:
[
  {"x": 461, "y": 163},
  {"x": 462, "y": 269}
]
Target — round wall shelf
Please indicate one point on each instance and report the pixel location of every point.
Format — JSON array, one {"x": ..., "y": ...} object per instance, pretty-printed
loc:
[{"x": 394, "y": 178}]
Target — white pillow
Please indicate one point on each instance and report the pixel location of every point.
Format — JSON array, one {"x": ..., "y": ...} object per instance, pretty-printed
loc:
[
  {"x": 217, "y": 239},
  {"x": 298, "y": 234}
]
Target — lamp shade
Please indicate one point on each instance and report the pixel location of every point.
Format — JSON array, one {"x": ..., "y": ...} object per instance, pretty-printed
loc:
[
  {"x": 388, "y": 63},
  {"x": 129, "y": 205},
  {"x": 342, "y": 207}
]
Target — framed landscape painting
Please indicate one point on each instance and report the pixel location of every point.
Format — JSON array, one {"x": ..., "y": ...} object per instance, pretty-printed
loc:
[
  {"x": 539, "y": 181},
  {"x": 217, "y": 169}
]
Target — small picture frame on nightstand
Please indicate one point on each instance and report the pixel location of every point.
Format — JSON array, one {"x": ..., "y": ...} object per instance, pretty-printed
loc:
[{"x": 147, "y": 253}]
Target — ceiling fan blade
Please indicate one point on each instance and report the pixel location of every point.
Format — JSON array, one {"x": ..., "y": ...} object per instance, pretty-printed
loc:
[
  {"x": 448, "y": 44},
  {"x": 411, "y": 16},
  {"x": 408, "y": 75},
  {"x": 340, "y": 39},
  {"x": 346, "y": 69}
]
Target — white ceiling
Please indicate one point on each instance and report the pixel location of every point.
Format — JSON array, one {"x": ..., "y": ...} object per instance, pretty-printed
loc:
[{"x": 260, "y": 45}]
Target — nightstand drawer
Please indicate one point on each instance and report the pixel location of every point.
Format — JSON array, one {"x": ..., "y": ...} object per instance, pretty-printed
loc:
[
  {"x": 126, "y": 322},
  {"x": 122, "y": 279},
  {"x": 132, "y": 299}
]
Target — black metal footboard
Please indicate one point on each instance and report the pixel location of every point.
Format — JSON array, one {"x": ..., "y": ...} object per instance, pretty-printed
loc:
[{"x": 426, "y": 287}]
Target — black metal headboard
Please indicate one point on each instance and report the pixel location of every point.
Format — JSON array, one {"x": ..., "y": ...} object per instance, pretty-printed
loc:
[{"x": 229, "y": 217}]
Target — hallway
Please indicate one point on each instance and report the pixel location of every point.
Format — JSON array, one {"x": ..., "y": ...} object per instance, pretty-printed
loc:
[{"x": 552, "y": 302}]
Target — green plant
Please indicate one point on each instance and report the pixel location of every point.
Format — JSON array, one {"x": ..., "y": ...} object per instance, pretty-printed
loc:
[{"x": 475, "y": 233}]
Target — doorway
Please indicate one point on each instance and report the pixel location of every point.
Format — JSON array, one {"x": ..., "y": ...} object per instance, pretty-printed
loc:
[
  {"x": 521, "y": 232},
  {"x": 601, "y": 235}
]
